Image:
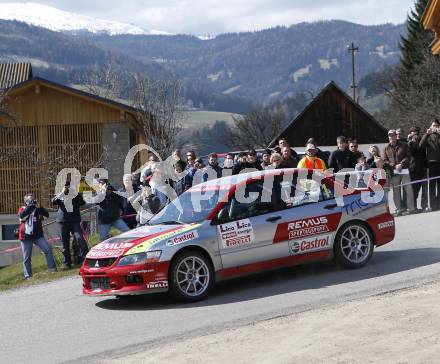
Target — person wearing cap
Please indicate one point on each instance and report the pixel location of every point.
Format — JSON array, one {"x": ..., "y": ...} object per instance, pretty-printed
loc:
[
  {"x": 319, "y": 152},
  {"x": 146, "y": 171},
  {"x": 397, "y": 157},
  {"x": 252, "y": 161},
  {"x": 213, "y": 169},
  {"x": 311, "y": 160},
  {"x": 30, "y": 232},
  {"x": 69, "y": 222},
  {"x": 266, "y": 159}
]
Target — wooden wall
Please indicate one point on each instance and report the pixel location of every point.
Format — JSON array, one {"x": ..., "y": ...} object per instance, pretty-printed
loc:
[
  {"x": 332, "y": 115},
  {"x": 39, "y": 104},
  {"x": 55, "y": 130}
]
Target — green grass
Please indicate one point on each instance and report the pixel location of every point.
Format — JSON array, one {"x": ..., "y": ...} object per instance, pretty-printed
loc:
[
  {"x": 206, "y": 118},
  {"x": 12, "y": 276}
]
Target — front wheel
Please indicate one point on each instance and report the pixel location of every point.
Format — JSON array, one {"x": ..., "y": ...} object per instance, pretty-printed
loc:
[
  {"x": 191, "y": 276},
  {"x": 353, "y": 245}
]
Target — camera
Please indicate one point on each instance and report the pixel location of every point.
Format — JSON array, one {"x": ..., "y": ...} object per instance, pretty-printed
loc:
[{"x": 110, "y": 187}]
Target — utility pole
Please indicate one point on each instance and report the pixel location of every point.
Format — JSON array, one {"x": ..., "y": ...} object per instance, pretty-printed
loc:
[{"x": 352, "y": 49}]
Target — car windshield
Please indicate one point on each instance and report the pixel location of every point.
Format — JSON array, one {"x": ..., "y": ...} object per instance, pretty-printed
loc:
[{"x": 192, "y": 206}]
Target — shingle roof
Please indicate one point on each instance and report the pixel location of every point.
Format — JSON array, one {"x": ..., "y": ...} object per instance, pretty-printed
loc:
[{"x": 14, "y": 73}]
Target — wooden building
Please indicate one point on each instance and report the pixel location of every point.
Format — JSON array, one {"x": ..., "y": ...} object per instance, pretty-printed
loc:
[
  {"x": 333, "y": 113},
  {"x": 431, "y": 20},
  {"x": 56, "y": 127}
]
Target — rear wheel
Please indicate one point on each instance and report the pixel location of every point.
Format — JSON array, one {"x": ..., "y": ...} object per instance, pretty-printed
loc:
[
  {"x": 353, "y": 245},
  {"x": 191, "y": 276}
]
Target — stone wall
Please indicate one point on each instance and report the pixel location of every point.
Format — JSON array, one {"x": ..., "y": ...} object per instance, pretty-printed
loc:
[{"x": 116, "y": 144}]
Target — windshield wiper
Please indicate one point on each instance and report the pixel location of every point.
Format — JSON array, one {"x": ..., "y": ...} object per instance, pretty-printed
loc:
[{"x": 170, "y": 222}]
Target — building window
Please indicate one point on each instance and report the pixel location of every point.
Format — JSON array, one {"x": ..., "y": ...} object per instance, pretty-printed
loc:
[{"x": 8, "y": 232}]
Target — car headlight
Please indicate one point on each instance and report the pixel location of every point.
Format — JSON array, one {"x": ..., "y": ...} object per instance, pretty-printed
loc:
[{"x": 140, "y": 258}]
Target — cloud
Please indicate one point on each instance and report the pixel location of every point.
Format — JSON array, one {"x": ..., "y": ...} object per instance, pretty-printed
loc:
[{"x": 213, "y": 16}]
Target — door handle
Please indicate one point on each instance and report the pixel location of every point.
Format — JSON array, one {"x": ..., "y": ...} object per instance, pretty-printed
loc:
[
  {"x": 273, "y": 218},
  {"x": 330, "y": 206}
]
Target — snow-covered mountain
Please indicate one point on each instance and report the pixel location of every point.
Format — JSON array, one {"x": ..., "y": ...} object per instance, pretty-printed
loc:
[{"x": 64, "y": 21}]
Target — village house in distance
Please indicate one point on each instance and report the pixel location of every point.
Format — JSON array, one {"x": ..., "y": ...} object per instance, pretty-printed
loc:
[
  {"x": 330, "y": 114},
  {"x": 55, "y": 127}
]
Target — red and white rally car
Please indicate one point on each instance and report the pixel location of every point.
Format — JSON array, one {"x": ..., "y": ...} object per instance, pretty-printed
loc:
[{"x": 239, "y": 225}]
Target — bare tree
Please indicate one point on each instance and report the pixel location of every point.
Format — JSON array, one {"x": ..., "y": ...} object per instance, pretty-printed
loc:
[
  {"x": 159, "y": 112},
  {"x": 414, "y": 96},
  {"x": 256, "y": 129},
  {"x": 108, "y": 81},
  {"x": 7, "y": 116}
]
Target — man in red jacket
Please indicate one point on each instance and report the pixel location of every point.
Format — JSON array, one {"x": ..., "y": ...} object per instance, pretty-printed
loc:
[{"x": 31, "y": 232}]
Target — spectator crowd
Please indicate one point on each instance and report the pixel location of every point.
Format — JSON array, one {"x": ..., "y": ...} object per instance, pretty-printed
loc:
[{"x": 408, "y": 162}]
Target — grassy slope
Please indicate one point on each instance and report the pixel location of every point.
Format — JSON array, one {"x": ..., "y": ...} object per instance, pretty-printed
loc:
[{"x": 12, "y": 276}]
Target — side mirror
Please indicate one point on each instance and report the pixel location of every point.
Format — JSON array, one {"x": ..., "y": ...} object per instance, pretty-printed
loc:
[{"x": 223, "y": 215}]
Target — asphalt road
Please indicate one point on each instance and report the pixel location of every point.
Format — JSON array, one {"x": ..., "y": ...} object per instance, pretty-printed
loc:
[{"x": 53, "y": 322}]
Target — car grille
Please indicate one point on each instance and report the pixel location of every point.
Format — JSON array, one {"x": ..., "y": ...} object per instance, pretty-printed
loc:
[
  {"x": 99, "y": 283},
  {"x": 100, "y": 263}
]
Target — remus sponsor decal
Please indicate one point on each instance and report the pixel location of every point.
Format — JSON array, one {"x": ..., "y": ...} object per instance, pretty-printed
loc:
[
  {"x": 305, "y": 227},
  {"x": 94, "y": 254},
  {"x": 105, "y": 250},
  {"x": 145, "y": 245},
  {"x": 309, "y": 245}
]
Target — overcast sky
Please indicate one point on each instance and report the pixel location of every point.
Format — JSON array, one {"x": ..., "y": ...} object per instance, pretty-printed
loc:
[{"x": 206, "y": 17}]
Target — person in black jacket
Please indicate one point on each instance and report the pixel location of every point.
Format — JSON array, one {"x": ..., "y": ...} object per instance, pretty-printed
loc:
[
  {"x": 69, "y": 221},
  {"x": 290, "y": 158},
  {"x": 342, "y": 157},
  {"x": 241, "y": 163},
  {"x": 252, "y": 161},
  {"x": 149, "y": 205},
  {"x": 431, "y": 143},
  {"x": 417, "y": 166},
  {"x": 110, "y": 209},
  {"x": 213, "y": 169},
  {"x": 30, "y": 232},
  {"x": 182, "y": 180}
]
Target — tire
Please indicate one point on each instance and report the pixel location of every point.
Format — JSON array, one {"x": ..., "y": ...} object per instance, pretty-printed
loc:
[
  {"x": 353, "y": 245},
  {"x": 191, "y": 276}
]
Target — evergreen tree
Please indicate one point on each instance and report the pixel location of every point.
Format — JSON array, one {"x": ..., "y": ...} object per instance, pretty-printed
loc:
[
  {"x": 415, "y": 44},
  {"x": 414, "y": 97}
]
